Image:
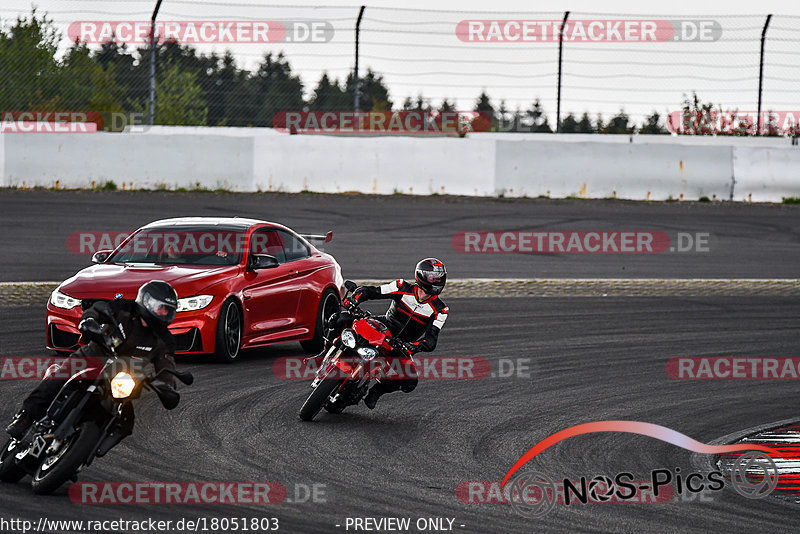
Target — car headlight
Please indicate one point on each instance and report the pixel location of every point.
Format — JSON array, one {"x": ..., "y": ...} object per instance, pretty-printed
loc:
[
  {"x": 60, "y": 300},
  {"x": 367, "y": 353},
  {"x": 349, "y": 338},
  {"x": 122, "y": 386},
  {"x": 198, "y": 302}
]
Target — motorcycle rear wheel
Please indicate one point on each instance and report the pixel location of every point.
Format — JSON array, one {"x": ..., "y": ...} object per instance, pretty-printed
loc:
[
  {"x": 318, "y": 398},
  {"x": 57, "y": 469}
]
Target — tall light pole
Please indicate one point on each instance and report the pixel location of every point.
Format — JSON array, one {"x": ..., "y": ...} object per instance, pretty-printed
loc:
[{"x": 153, "y": 62}]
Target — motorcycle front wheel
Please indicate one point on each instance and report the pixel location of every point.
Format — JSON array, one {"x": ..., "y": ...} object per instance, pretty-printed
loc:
[
  {"x": 319, "y": 397},
  {"x": 9, "y": 470},
  {"x": 61, "y": 466}
]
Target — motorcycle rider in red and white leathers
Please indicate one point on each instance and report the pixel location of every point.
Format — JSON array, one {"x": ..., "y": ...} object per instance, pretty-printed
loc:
[{"x": 416, "y": 316}]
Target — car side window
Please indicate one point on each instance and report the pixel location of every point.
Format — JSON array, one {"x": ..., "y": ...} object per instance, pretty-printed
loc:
[
  {"x": 293, "y": 248},
  {"x": 268, "y": 242}
]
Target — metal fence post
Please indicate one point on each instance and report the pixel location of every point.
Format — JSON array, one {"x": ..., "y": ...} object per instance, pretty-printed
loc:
[
  {"x": 761, "y": 72},
  {"x": 153, "y": 62},
  {"x": 560, "y": 49},
  {"x": 357, "y": 81}
]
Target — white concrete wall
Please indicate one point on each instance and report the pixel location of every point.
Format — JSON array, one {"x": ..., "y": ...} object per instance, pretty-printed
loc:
[
  {"x": 600, "y": 170},
  {"x": 690, "y": 140},
  {"x": 140, "y": 161},
  {"x": 250, "y": 159},
  {"x": 407, "y": 165},
  {"x": 766, "y": 174}
]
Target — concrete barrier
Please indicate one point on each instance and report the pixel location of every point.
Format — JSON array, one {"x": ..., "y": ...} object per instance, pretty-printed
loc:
[
  {"x": 140, "y": 161},
  {"x": 766, "y": 174},
  {"x": 601, "y": 170},
  {"x": 375, "y": 165},
  {"x": 253, "y": 159}
]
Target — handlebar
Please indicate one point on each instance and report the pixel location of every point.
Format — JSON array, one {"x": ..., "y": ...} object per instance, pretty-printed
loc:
[
  {"x": 400, "y": 344},
  {"x": 394, "y": 342},
  {"x": 356, "y": 311}
]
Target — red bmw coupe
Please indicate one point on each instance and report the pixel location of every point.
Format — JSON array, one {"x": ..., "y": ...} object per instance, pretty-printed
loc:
[{"x": 241, "y": 283}]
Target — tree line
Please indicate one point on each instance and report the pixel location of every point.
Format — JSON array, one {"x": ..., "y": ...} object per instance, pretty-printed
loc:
[{"x": 212, "y": 90}]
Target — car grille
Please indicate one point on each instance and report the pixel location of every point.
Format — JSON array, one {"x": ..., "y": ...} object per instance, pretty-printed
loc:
[
  {"x": 188, "y": 341},
  {"x": 63, "y": 340}
]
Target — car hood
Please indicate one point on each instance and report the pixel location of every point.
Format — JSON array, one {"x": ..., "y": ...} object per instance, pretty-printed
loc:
[{"x": 106, "y": 281}]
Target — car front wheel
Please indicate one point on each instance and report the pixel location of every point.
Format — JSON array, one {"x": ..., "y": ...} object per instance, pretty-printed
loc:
[
  {"x": 229, "y": 332},
  {"x": 328, "y": 304}
]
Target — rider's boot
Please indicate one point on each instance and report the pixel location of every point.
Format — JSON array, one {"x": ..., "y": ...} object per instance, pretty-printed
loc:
[
  {"x": 372, "y": 397},
  {"x": 21, "y": 423}
]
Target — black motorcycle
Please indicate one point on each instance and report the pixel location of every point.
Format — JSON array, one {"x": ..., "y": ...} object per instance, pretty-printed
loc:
[{"x": 85, "y": 420}]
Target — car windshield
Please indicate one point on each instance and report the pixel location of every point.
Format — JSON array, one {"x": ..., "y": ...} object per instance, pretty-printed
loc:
[{"x": 182, "y": 246}]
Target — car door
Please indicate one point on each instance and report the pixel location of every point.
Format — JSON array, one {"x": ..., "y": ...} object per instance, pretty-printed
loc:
[
  {"x": 298, "y": 257},
  {"x": 271, "y": 295}
]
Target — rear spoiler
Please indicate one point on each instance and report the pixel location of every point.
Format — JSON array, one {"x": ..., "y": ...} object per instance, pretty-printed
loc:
[{"x": 327, "y": 238}]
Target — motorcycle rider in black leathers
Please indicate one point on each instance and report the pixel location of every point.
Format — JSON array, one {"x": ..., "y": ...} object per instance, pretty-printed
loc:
[
  {"x": 140, "y": 331},
  {"x": 416, "y": 316}
]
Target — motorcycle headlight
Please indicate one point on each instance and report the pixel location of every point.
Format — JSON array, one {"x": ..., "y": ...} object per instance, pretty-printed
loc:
[
  {"x": 349, "y": 338},
  {"x": 122, "y": 386},
  {"x": 198, "y": 302},
  {"x": 60, "y": 300},
  {"x": 367, "y": 353}
]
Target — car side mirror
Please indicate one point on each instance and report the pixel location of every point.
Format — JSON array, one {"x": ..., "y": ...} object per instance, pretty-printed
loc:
[
  {"x": 263, "y": 261},
  {"x": 101, "y": 255}
]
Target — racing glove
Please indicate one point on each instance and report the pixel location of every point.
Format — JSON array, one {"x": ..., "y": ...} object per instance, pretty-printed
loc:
[{"x": 90, "y": 326}]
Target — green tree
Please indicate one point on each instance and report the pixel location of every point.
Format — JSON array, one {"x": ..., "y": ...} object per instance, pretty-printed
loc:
[
  {"x": 652, "y": 125},
  {"x": 179, "y": 99},
  {"x": 599, "y": 124},
  {"x": 569, "y": 124},
  {"x": 538, "y": 118},
  {"x": 696, "y": 117},
  {"x": 484, "y": 105},
  {"x": 329, "y": 95},
  {"x": 373, "y": 93},
  {"x": 28, "y": 69},
  {"x": 277, "y": 88},
  {"x": 585, "y": 124},
  {"x": 446, "y": 105},
  {"x": 620, "y": 124},
  {"x": 86, "y": 85}
]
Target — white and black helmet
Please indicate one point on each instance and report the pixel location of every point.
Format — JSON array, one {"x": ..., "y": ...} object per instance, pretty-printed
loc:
[{"x": 157, "y": 303}]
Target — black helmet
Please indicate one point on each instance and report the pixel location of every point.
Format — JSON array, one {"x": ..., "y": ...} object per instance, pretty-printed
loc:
[
  {"x": 431, "y": 275},
  {"x": 157, "y": 303}
]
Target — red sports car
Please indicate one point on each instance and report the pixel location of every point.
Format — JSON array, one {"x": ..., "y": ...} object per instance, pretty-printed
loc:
[{"x": 241, "y": 283}]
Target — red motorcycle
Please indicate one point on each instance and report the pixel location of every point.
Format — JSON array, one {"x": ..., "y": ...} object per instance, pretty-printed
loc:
[{"x": 356, "y": 359}]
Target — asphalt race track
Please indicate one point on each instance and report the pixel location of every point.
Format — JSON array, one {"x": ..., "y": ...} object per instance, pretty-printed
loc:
[
  {"x": 590, "y": 359},
  {"x": 575, "y": 360},
  {"x": 373, "y": 235}
]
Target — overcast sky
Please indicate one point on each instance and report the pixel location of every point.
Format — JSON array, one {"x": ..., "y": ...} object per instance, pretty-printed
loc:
[{"x": 417, "y": 50}]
